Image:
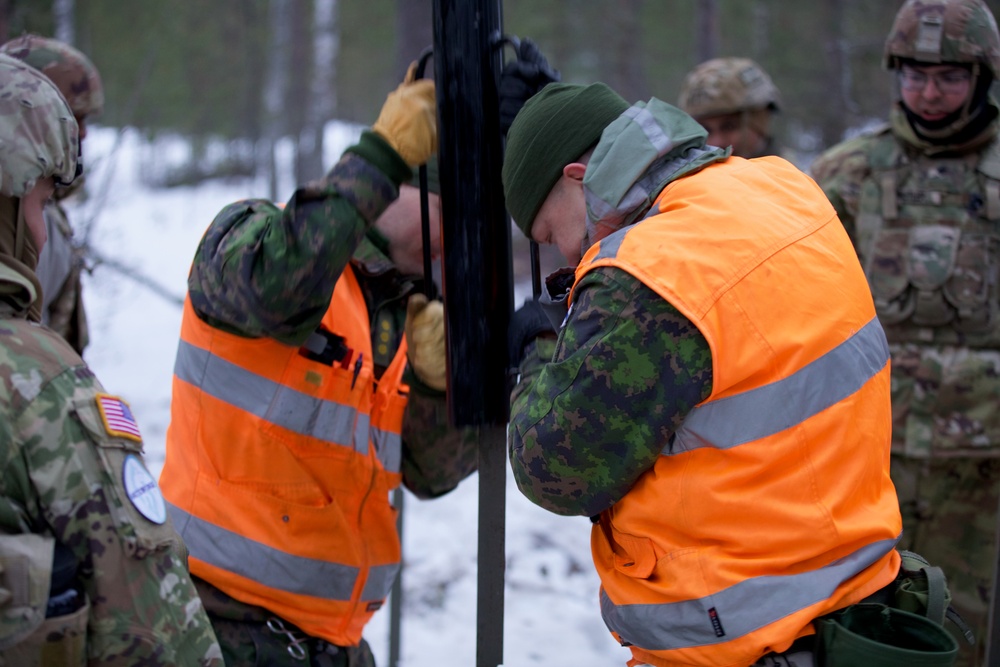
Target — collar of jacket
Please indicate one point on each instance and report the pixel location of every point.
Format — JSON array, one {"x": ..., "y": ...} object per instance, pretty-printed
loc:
[
  {"x": 640, "y": 152},
  {"x": 17, "y": 290},
  {"x": 901, "y": 128},
  {"x": 383, "y": 281}
]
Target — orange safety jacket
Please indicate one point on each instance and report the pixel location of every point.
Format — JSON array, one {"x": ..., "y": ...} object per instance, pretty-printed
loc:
[
  {"x": 278, "y": 469},
  {"x": 772, "y": 504}
]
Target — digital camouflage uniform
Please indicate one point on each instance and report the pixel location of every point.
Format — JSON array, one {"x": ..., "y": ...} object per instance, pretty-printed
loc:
[
  {"x": 924, "y": 216},
  {"x": 62, "y": 260},
  {"x": 91, "y": 570},
  {"x": 250, "y": 255},
  {"x": 724, "y": 86}
]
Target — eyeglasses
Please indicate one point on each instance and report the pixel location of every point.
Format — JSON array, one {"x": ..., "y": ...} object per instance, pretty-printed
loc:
[{"x": 948, "y": 82}]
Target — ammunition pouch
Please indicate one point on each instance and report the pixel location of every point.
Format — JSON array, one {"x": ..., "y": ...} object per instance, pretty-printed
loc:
[
  {"x": 876, "y": 635},
  {"x": 44, "y": 621},
  {"x": 26, "y": 562},
  {"x": 902, "y": 624}
]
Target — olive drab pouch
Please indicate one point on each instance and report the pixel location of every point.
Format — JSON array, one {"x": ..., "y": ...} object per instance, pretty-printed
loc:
[
  {"x": 902, "y": 624},
  {"x": 26, "y": 562},
  {"x": 60, "y": 641},
  {"x": 876, "y": 635},
  {"x": 971, "y": 288},
  {"x": 921, "y": 588},
  {"x": 932, "y": 252},
  {"x": 888, "y": 271}
]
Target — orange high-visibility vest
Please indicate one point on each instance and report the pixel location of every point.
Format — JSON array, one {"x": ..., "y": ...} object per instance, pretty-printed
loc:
[
  {"x": 772, "y": 504},
  {"x": 278, "y": 469}
]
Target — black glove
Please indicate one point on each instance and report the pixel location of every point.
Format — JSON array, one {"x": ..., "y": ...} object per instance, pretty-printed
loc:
[
  {"x": 522, "y": 78},
  {"x": 527, "y": 324}
]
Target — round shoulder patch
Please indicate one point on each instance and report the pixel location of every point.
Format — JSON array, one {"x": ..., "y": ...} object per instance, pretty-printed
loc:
[{"x": 142, "y": 490}]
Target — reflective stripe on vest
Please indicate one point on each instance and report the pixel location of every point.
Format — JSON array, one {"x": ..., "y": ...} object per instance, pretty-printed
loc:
[
  {"x": 662, "y": 627},
  {"x": 300, "y": 413},
  {"x": 277, "y": 569},
  {"x": 770, "y": 409}
]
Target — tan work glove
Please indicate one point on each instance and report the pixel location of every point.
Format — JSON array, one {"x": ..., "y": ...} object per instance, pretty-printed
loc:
[
  {"x": 408, "y": 120},
  {"x": 424, "y": 331}
]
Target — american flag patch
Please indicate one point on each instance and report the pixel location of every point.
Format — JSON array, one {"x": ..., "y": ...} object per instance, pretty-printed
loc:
[{"x": 117, "y": 418}]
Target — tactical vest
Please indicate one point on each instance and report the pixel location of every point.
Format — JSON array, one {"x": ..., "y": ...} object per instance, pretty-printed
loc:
[
  {"x": 772, "y": 503},
  {"x": 928, "y": 235},
  {"x": 279, "y": 465},
  {"x": 929, "y": 240}
]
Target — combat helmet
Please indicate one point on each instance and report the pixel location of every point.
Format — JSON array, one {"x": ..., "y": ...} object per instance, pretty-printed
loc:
[
  {"x": 727, "y": 85},
  {"x": 73, "y": 73},
  {"x": 37, "y": 130},
  {"x": 944, "y": 31}
]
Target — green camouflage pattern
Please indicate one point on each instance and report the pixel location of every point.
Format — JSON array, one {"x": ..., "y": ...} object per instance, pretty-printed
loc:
[
  {"x": 593, "y": 416},
  {"x": 60, "y": 269},
  {"x": 41, "y": 137},
  {"x": 944, "y": 31},
  {"x": 62, "y": 478},
  {"x": 949, "y": 517},
  {"x": 248, "y": 640},
  {"x": 927, "y": 228},
  {"x": 73, "y": 73},
  {"x": 727, "y": 85}
]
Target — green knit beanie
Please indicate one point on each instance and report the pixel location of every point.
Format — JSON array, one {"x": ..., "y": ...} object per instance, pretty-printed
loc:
[{"x": 554, "y": 128}]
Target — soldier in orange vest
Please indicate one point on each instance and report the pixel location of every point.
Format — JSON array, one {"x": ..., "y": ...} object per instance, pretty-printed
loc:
[
  {"x": 717, "y": 398},
  {"x": 309, "y": 382}
]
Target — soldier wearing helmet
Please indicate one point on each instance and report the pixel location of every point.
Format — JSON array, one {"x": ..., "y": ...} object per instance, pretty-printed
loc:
[
  {"x": 62, "y": 260},
  {"x": 920, "y": 198},
  {"x": 735, "y": 100},
  {"x": 91, "y": 569}
]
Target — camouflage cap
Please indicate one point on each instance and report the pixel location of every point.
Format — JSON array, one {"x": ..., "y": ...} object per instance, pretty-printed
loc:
[
  {"x": 72, "y": 72},
  {"x": 944, "y": 31},
  {"x": 727, "y": 85},
  {"x": 38, "y": 134}
]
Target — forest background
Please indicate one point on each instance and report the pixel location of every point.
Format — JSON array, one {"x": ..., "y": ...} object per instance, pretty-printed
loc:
[{"x": 236, "y": 76}]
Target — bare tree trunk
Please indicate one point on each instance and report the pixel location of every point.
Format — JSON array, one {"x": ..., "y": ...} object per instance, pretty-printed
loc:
[
  {"x": 275, "y": 90},
  {"x": 761, "y": 28},
  {"x": 414, "y": 33},
  {"x": 322, "y": 102},
  {"x": 836, "y": 110},
  {"x": 299, "y": 90},
  {"x": 708, "y": 30},
  {"x": 63, "y": 13},
  {"x": 627, "y": 74}
]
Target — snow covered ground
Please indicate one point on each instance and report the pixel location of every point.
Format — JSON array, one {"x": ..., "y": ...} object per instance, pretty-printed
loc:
[{"x": 551, "y": 614}]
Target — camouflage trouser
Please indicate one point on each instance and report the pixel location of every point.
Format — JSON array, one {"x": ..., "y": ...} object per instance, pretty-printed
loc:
[
  {"x": 253, "y": 637},
  {"x": 272, "y": 644},
  {"x": 949, "y": 508}
]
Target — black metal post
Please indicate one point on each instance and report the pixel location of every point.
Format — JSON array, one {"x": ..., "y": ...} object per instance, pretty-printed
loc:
[{"x": 477, "y": 281}]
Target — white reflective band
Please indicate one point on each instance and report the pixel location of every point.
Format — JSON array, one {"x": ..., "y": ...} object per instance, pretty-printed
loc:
[
  {"x": 737, "y": 610},
  {"x": 389, "y": 447},
  {"x": 764, "y": 411},
  {"x": 329, "y": 421},
  {"x": 266, "y": 565},
  {"x": 380, "y": 579}
]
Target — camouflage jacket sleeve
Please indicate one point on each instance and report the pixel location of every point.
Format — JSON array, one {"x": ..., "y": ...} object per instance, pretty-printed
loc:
[
  {"x": 436, "y": 455},
  {"x": 839, "y": 172},
  {"x": 67, "y": 473},
  {"x": 626, "y": 369},
  {"x": 262, "y": 271}
]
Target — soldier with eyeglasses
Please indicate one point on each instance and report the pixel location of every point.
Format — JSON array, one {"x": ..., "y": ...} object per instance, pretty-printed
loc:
[{"x": 920, "y": 199}]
